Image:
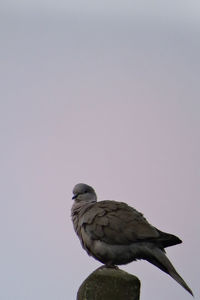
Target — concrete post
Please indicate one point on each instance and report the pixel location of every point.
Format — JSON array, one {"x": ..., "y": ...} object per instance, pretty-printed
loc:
[{"x": 109, "y": 284}]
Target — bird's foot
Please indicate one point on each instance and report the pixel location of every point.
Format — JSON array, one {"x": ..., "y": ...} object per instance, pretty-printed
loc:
[
  {"x": 108, "y": 266},
  {"x": 111, "y": 266}
]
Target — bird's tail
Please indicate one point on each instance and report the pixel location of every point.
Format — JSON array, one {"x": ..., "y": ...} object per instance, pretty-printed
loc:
[{"x": 160, "y": 260}]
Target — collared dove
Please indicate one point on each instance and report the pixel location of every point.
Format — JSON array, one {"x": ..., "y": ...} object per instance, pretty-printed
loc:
[{"x": 116, "y": 234}]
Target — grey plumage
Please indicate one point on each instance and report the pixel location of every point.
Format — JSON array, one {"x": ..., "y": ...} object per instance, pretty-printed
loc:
[{"x": 116, "y": 234}]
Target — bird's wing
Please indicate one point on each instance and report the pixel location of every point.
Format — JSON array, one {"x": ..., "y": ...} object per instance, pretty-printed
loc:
[{"x": 116, "y": 223}]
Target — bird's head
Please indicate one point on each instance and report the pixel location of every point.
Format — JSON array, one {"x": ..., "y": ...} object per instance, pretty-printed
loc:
[{"x": 85, "y": 193}]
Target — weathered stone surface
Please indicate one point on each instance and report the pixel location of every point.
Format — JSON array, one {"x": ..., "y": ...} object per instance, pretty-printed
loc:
[{"x": 109, "y": 284}]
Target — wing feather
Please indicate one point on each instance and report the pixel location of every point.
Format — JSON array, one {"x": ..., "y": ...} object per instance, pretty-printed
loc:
[{"x": 117, "y": 223}]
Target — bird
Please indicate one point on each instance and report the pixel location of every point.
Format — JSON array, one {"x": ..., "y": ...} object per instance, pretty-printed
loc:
[{"x": 115, "y": 233}]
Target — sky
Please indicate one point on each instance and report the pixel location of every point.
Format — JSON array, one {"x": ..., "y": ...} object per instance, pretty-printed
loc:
[{"x": 106, "y": 93}]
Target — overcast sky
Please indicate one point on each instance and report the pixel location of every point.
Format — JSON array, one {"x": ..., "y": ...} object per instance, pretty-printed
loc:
[
  {"x": 105, "y": 93},
  {"x": 179, "y": 8}
]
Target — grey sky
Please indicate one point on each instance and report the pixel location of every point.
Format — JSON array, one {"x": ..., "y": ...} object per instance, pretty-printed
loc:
[
  {"x": 177, "y": 10},
  {"x": 112, "y": 101}
]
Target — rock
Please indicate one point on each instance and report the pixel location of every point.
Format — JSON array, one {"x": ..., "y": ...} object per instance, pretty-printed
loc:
[{"x": 109, "y": 283}]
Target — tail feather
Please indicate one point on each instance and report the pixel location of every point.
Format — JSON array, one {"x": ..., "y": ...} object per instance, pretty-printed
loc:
[
  {"x": 160, "y": 260},
  {"x": 180, "y": 280}
]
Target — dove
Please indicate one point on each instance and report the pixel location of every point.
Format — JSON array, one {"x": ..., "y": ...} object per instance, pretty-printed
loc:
[{"x": 115, "y": 234}]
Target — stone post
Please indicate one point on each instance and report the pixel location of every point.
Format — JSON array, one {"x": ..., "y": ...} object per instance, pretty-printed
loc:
[{"x": 109, "y": 284}]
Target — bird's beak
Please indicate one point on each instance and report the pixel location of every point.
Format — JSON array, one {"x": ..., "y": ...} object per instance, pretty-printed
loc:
[{"x": 75, "y": 196}]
